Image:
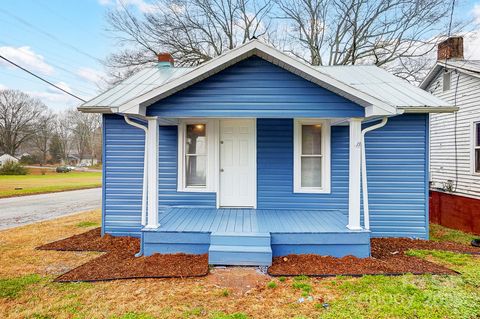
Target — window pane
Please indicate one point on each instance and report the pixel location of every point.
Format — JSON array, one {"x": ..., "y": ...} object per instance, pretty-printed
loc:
[
  {"x": 477, "y": 161},
  {"x": 311, "y": 139},
  {"x": 196, "y": 170},
  {"x": 196, "y": 139},
  {"x": 311, "y": 172},
  {"x": 477, "y": 134}
]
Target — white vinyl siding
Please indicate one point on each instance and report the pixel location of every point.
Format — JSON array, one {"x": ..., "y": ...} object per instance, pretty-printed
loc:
[{"x": 442, "y": 134}]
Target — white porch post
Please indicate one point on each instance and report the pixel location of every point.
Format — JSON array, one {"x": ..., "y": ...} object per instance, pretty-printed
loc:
[
  {"x": 355, "y": 143},
  {"x": 152, "y": 181}
]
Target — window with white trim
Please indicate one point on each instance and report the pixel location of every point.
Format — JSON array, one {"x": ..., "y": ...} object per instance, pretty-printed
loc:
[
  {"x": 311, "y": 156},
  {"x": 476, "y": 147},
  {"x": 196, "y": 155}
]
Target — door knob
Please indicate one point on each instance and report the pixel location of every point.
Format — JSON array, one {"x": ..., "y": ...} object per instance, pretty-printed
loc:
[{"x": 221, "y": 170}]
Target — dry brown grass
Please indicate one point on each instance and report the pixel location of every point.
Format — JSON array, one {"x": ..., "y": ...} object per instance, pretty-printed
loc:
[{"x": 162, "y": 298}]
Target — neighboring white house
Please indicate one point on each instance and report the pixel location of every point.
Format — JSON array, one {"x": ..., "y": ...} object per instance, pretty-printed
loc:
[
  {"x": 7, "y": 158},
  {"x": 455, "y": 138}
]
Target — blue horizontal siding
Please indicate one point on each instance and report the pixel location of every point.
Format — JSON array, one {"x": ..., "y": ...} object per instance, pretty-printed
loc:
[
  {"x": 397, "y": 166},
  {"x": 255, "y": 88},
  {"x": 275, "y": 169},
  {"x": 168, "y": 195},
  {"x": 123, "y": 175}
]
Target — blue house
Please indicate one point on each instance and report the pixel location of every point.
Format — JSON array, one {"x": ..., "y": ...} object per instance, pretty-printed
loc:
[{"x": 254, "y": 154}]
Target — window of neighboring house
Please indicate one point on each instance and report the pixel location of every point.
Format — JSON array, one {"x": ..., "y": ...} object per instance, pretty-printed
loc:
[
  {"x": 311, "y": 156},
  {"x": 195, "y": 157},
  {"x": 446, "y": 81},
  {"x": 476, "y": 147}
]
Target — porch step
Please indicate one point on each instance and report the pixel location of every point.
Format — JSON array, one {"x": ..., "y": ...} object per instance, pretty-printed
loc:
[
  {"x": 242, "y": 249},
  {"x": 243, "y": 239}
]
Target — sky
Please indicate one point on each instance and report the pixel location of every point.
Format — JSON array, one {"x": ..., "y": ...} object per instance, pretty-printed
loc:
[{"x": 65, "y": 41}]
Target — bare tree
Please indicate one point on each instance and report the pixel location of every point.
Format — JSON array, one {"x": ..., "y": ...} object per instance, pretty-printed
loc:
[
  {"x": 44, "y": 130},
  {"x": 84, "y": 128},
  {"x": 194, "y": 31},
  {"x": 388, "y": 33},
  {"x": 63, "y": 135},
  {"x": 19, "y": 114}
]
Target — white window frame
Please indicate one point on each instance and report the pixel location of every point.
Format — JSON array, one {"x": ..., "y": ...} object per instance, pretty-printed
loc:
[
  {"x": 211, "y": 137},
  {"x": 473, "y": 147},
  {"x": 297, "y": 149}
]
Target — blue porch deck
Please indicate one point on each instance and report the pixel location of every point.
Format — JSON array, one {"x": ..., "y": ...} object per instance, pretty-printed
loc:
[{"x": 283, "y": 232}]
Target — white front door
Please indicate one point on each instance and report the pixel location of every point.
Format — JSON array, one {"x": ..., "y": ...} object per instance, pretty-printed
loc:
[{"x": 237, "y": 163}]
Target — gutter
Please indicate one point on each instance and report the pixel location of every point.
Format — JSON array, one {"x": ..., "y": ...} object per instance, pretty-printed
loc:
[
  {"x": 363, "y": 169},
  {"x": 428, "y": 109},
  {"x": 144, "y": 182}
]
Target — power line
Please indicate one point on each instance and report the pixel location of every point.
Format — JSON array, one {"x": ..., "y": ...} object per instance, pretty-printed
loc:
[
  {"x": 51, "y": 36},
  {"x": 42, "y": 79}
]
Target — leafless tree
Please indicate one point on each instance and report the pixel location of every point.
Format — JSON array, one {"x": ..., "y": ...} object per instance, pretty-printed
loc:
[
  {"x": 84, "y": 128},
  {"x": 64, "y": 134},
  {"x": 44, "y": 130},
  {"x": 391, "y": 33},
  {"x": 19, "y": 114},
  {"x": 194, "y": 31}
]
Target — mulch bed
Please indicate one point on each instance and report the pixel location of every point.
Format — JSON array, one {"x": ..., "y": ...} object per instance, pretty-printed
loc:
[
  {"x": 388, "y": 258},
  {"x": 120, "y": 262}
]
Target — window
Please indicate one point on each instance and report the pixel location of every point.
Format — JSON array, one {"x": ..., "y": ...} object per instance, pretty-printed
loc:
[
  {"x": 476, "y": 147},
  {"x": 312, "y": 156},
  {"x": 446, "y": 81},
  {"x": 196, "y": 160},
  {"x": 196, "y": 155}
]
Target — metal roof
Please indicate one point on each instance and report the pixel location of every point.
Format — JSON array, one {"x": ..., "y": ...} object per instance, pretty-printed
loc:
[
  {"x": 383, "y": 85},
  {"x": 143, "y": 81},
  {"x": 471, "y": 67},
  {"x": 365, "y": 85}
]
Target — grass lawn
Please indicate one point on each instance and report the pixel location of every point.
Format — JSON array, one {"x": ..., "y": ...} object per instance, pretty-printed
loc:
[
  {"x": 27, "y": 290},
  {"x": 37, "y": 183}
]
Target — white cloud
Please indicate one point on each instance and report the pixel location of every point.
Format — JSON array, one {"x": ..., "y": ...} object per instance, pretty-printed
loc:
[
  {"x": 476, "y": 12},
  {"x": 26, "y": 58},
  {"x": 91, "y": 75},
  {"x": 471, "y": 44},
  {"x": 141, "y": 5}
]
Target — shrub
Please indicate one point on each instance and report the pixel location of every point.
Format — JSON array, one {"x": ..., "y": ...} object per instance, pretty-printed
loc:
[{"x": 13, "y": 168}]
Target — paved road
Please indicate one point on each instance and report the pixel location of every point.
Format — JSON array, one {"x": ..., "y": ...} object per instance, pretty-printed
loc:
[{"x": 17, "y": 211}]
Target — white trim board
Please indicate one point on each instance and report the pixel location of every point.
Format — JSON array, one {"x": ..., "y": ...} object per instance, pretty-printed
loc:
[{"x": 326, "y": 162}]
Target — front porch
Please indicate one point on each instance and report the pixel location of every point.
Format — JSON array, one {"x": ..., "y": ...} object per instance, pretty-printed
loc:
[{"x": 252, "y": 236}]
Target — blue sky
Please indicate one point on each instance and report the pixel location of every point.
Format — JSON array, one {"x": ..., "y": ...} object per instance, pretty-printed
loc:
[{"x": 64, "y": 41}]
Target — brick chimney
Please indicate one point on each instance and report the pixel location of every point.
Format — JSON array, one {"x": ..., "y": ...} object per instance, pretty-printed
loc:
[
  {"x": 451, "y": 48},
  {"x": 165, "y": 60}
]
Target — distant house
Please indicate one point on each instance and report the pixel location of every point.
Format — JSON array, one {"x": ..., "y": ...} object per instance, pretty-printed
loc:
[
  {"x": 455, "y": 139},
  {"x": 7, "y": 158},
  {"x": 254, "y": 154},
  {"x": 86, "y": 160}
]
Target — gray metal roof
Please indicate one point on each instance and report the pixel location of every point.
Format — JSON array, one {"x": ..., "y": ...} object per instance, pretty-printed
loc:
[
  {"x": 471, "y": 67},
  {"x": 383, "y": 85},
  {"x": 371, "y": 80},
  {"x": 137, "y": 84}
]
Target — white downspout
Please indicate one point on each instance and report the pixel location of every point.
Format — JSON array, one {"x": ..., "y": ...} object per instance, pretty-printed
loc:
[
  {"x": 144, "y": 184},
  {"x": 366, "y": 212}
]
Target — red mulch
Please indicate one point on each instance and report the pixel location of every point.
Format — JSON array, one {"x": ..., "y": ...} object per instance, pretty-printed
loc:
[
  {"x": 388, "y": 258},
  {"x": 120, "y": 262}
]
